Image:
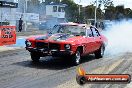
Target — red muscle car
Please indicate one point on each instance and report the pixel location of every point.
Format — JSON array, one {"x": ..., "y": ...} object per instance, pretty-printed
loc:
[{"x": 67, "y": 40}]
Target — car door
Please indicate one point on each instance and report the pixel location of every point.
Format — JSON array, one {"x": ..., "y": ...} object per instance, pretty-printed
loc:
[
  {"x": 90, "y": 43},
  {"x": 97, "y": 38}
]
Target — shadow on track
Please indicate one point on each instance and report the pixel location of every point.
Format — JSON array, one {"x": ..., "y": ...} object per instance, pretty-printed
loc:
[{"x": 53, "y": 63}]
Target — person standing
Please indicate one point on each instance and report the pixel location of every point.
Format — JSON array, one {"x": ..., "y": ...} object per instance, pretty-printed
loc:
[{"x": 20, "y": 24}]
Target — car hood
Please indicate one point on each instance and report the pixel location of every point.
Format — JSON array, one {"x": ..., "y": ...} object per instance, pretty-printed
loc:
[
  {"x": 59, "y": 37},
  {"x": 38, "y": 37}
]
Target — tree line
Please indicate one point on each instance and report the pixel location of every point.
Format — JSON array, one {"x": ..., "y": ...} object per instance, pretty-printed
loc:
[{"x": 110, "y": 12}]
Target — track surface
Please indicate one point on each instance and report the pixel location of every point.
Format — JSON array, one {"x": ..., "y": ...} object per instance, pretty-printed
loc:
[{"x": 18, "y": 71}]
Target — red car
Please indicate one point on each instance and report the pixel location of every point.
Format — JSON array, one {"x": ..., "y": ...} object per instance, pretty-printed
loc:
[{"x": 67, "y": 40}]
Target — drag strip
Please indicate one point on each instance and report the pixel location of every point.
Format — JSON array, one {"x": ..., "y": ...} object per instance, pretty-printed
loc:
[{"x": 18, "y": 71}]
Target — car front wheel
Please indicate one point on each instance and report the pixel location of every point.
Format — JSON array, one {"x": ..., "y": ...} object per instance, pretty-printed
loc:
[
  {"x": 35, "y": 57},
  {"x": 100, "y": 52},
  {"x": 76, "y": 58}
]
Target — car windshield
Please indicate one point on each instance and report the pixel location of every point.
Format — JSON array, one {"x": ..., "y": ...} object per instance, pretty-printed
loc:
[{"x": 69, "y": 29}]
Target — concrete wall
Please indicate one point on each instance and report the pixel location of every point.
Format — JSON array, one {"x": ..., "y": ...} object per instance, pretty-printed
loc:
[
  {"x": 49, "y": 11},
  {"x": 8, "y": 15}
]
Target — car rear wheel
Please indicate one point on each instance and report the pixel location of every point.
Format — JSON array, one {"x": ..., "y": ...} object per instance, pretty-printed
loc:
[
  {"x": 100, "y": 52},
  {"x": 35, "y": 57},
  {"x": 76, "y": 58}
]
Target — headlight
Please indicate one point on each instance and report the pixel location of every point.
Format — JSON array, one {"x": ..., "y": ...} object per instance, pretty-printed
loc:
[
  {"x": 67, "y": 46},
  {"x": 28, "y": 43}
]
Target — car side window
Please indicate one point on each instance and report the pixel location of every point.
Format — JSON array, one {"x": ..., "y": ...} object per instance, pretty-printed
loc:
[
  {"x": 89, "y": 33},
  {"x": 95, "y": 32}
]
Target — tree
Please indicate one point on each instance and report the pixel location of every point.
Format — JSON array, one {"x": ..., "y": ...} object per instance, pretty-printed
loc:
[
  {"x": 108, "y": 7},
  {"x": 89, "y": 11},
  {"x": 119, "y": 12},
  {"x": 129, "y": 15},
  {"x": 128, "y": 12},
  {"x": 110, "y": 13},
  {"x": 72, "y": 13},
  {"x": 105, "y": 3}
]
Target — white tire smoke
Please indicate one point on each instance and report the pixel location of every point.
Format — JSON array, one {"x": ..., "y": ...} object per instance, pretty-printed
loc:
[{"x": 119, "y": 37}]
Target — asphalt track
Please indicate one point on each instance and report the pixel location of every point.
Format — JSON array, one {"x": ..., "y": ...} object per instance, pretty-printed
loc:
[{"x": 18, "y": 71}]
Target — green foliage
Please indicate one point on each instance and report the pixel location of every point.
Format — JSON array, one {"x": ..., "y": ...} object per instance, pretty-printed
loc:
[
  {"x": 89, "y": 11},
  {"x": 110, "y": 12},
  {"x": 118, "y": 12},
  {"x": 128, "y": 13},
  {"x": 107, "y": 3},
  {"x": 72, "y": 12}
]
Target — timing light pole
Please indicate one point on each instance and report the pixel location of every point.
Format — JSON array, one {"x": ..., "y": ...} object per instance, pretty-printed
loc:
[{"x": 25, "y": 10}]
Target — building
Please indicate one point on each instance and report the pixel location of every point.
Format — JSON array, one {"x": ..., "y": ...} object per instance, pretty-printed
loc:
[
  {"x": 51, "y": 13},
  {"x": 7, "y": 12},
  {"x": 56, "y": 10},
  {"x": 54, "y": 14}
]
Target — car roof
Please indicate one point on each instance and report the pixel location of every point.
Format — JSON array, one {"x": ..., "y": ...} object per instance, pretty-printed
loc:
[
  {"x": 85, "y": 26},
  {"x": 70, "y": 24},
  {"x": 75, "y": 24}
]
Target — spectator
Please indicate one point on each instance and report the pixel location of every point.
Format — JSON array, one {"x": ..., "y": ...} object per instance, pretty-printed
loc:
[{"x": 20, "y": 25}]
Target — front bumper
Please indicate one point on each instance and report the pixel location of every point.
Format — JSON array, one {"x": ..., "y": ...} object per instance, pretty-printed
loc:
[{"x": 46, "y": 52}]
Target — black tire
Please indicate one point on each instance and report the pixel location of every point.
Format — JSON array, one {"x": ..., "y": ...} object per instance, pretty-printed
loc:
[
  {"x": 76, "y": 58},
  {"x": 100, "y": 52},
  {"x": 35, "y": 57}
]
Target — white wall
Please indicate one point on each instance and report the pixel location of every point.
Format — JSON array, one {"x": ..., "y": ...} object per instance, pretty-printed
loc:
[
  {"x": 49, "y": 11},
  {"x": 8, "y": 15}
]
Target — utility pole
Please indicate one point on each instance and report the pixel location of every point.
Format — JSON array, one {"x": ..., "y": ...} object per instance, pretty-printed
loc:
[
  {"x": 79, "y": 10},
  {"x": 79, "y": 7},
  {"x": 1, "y": 16},
  {"x": 25, "y": 11},
  {"x": 95, "y": 17}
]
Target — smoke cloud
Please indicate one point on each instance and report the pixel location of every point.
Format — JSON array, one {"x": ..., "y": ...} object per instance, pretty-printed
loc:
[{"x": 119, "y": 37}]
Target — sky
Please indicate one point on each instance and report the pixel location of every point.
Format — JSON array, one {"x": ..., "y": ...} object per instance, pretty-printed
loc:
[{"x": 126, "y": 3}]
